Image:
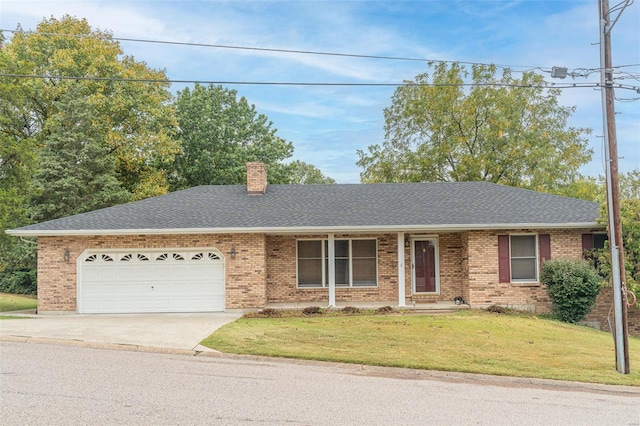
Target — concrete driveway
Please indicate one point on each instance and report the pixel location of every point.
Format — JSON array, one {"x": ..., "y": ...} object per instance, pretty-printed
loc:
[{"x": 174, "y": 331}]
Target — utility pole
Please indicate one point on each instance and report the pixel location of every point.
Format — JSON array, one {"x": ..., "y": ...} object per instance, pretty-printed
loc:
[{"x": 613, "y": 192}]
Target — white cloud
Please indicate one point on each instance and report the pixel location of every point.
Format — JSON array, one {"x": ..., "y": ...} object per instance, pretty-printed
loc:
[
  {"x": 328, "y": 124},
  {"x": 122, "y": 19}
]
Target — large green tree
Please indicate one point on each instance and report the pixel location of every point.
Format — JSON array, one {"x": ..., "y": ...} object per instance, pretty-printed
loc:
[
  {"x": 460, "y": 124},
  {"x": 133, "y": 119},
  {"x": 128, "y": 130},
  {"x": 17, "y": 163},
  {"x": 75, "y": 173},
  {"x": 220, "y": 133}
]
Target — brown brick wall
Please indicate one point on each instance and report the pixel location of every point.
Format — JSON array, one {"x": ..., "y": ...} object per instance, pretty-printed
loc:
[
  {"x": 282, "y": 281},
  {"x": 603, "y": 310},
  {"x": 484, "y": 285},
  {"x": 56, "y": 277},
  {"x": 451, "y": 267},
  {"x": 245, "y": 275},
  {"x": 264, "y": 270},
  {"x": 281, "y": 276}
]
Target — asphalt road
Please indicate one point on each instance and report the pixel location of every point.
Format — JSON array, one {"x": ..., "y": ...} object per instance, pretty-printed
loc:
[{"x": 52, "y": 384}]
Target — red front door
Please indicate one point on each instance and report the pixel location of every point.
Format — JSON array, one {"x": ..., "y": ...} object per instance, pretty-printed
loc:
[{"x": 425, "y": 266}]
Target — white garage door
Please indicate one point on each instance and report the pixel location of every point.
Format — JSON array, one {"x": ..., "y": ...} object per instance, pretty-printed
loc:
[{"x": 132, "y": 281}]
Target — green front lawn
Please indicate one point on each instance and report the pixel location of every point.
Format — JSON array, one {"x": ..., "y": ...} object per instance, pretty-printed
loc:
[
  {"x": 16, "y": 302},
  {"x": 471, "y": 341}
]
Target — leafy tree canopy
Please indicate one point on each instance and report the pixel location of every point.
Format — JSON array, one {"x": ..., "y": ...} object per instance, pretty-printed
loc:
[
  {"x": 586, "y": 188},
  {"x": 68, "y": 146},
  {"x": 219, "y": 134},
  {"x": 77, "y": 136},
  {"x": 134, "y": 120},
  {"x": 630, "y": 221},
  {"x": 305, "y": 173},
  {"x": 75, "y": 173},
  {"x": 501, "y": 129}
]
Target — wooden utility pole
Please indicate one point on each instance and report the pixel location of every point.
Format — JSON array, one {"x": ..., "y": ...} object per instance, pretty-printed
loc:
[{"x": 613, "y": 196}]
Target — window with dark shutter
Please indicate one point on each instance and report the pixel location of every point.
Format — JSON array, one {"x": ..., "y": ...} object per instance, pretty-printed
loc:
[
  {"x": 544, "y": 246},
  {"x": 587, "y": 243},
  {"x": 504, "y": 259},
  {"x": 520, "y": 257}
]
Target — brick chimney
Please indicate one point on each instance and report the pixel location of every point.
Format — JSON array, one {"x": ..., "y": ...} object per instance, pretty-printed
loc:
[{"x": 256, "y": 178}]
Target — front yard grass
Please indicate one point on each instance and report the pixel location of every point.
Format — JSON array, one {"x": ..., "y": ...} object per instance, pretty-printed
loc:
[
  {"x": 471, "y": 341},
  {"x": 16, "y": 302}
]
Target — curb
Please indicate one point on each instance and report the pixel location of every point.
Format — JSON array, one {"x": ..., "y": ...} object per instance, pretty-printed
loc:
[{"x": 355, "y": 369}]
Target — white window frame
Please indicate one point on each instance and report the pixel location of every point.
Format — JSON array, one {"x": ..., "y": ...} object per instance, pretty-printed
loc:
[
  {"x": 323, "y": 272},
  {"x": 324, "y": 260},
  {"x": 536, "y": 256}
]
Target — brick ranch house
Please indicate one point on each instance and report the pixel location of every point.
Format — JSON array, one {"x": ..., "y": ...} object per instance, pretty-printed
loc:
[{"x": 213, "y": 248}]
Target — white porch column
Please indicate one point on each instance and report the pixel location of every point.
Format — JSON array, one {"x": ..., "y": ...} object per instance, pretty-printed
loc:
[
  {"x": 401, "y": 271},
  {"x": 331, "y": 255}
]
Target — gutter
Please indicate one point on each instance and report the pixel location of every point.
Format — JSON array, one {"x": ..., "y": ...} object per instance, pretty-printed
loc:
[{"x": 305, "y": 229}]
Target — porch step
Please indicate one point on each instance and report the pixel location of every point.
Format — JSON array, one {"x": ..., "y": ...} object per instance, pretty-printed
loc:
[
  {"x": 429, "y": 311},
  {"x": 437, "y": 310}
]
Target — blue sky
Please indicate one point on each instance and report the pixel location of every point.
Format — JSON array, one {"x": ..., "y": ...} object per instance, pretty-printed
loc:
[{"x": 328, "y": 124}]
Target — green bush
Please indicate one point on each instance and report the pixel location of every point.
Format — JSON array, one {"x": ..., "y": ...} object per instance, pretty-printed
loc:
[
  {"x": 573, "y": 286},
  {"x": 18, "y": 282}
]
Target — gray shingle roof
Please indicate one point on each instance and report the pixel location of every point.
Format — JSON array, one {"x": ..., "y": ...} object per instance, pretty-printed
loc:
[{"x": 410, "y": 206}]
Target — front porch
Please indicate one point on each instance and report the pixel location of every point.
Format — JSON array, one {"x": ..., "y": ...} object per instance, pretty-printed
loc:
[{"x": 408, "y": 271}]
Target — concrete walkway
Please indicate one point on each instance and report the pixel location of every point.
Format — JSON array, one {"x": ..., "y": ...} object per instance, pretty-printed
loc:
[{"x": 174, "y": 331}]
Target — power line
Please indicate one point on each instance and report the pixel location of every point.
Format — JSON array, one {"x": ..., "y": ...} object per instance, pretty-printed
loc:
[
  {"x": 625, "y": 75},
  {"x": 277, "y": 50},
  {"x": 545, "y": 85},
  {"x": 582, "y": 72},
  {"x": 314, "y": 52}
]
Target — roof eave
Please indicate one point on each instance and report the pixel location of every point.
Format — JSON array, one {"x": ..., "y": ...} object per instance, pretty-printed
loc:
[{"x": 305, "y": 229}]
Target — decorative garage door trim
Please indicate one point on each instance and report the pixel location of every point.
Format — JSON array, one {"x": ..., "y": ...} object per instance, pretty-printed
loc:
[
  {"x": 157, "y": 280},
  {"x": 146, "y": 256}
]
